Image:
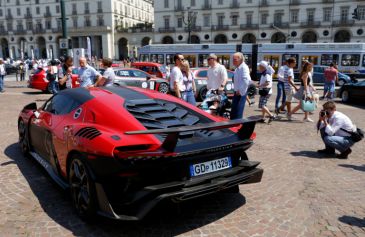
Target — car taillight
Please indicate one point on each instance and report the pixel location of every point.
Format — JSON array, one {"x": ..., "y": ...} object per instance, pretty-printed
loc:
[
  {"x": 253, "y": 136},
  {"x": 125, "y": 152}
]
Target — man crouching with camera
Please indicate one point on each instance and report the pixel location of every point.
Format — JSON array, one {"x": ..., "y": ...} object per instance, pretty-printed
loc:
[{"x": 336, "y": 129}]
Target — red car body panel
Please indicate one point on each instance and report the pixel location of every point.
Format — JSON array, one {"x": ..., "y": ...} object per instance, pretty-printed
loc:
[
  {"x": 39, "y": 81},
  {"x": 151, "y": 68}
]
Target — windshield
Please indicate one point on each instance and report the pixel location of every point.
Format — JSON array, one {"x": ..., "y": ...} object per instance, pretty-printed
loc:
[{"x": 163, "y": 68}]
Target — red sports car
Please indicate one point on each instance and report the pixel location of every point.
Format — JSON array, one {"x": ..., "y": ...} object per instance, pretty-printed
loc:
[
  {"x": 38, "y": 80},
  {"x": 121, "y": 150}
]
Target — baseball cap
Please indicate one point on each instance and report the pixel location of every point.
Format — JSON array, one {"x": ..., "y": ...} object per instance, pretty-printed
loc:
[{"x": 213, "y": 56}]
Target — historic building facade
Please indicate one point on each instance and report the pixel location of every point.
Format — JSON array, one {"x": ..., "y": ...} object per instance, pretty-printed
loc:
[
  {"x": 33, "y": 27},
  {"x": 258, "y": 21}
]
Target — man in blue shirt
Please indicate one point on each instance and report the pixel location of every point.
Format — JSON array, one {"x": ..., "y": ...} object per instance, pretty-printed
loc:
[{"x": 87, "y": 74}]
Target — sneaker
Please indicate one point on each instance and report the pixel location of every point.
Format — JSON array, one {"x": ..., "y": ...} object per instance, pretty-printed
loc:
[
  {"x": 327, "y": 151},
  {"x": 345, "y": 154},
  {"x": 308, "y": 120},
  {"x": 289, "y": 117},
  {"x": 272, "y": 118}
]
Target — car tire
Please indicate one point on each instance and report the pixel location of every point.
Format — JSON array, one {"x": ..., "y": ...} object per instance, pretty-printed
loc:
[
  {"x": 345, "y": 96},
  {"x": 163, "y": 88},
  {"x": 23, "y": 138},
  {"x": 202, "y": 93},
  {"x": 82, "y": 189}
]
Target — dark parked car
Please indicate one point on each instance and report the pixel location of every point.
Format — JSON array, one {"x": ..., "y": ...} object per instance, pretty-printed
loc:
[
  {"x": 318, "y": 76},
  {"x": 353, "y": 92}
]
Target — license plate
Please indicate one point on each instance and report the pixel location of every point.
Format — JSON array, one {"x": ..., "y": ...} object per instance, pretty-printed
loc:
[{"x": 210, "y": 166}]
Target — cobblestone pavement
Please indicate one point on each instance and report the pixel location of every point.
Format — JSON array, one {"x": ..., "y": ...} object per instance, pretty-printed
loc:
[{"x": 301, "y": 194}]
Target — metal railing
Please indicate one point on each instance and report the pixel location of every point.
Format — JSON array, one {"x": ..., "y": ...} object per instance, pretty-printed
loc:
[
  {"x": 167, "y": 30},
  {"x": 47, "y": 14},
  {"x": 220, "y": 27},
  {"x": 249, "y": 26},
  {"x": 294, "y": 2},
  {"x": 344, "y": 22},
  {"x": 193, "y": 28},
  {"x": 235, "y": 4},
  {"x": 264, "y": 3},
  {"x": 179, "y": 8},
  {"x": 310, "y": 24}
]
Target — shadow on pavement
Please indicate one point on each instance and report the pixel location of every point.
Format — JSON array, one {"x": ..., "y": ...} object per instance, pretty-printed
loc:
[
  {"x": 355, "y": 167},
  {"x": 33, "y": 92},
  {"x": 310, "y": 154},
  {"x": 166, "y": 219},
  {"x": 353, "y": 221},
  {"x": 359, "y": 104}
]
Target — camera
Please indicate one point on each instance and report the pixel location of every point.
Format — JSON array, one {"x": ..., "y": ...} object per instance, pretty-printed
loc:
[{"x": 324, "y": 113}]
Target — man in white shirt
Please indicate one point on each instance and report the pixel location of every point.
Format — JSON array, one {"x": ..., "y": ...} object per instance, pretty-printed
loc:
[
  {"x": 217, "y": 74},
  {"x": 280, "y": 90},
  {"x": 289, "y": 85},
  {"x": 2, "y": 75},
  {"x": 241, "y": 82},
  {"x": 176, "y": 75},
  {"x": 334, "y": 126}
]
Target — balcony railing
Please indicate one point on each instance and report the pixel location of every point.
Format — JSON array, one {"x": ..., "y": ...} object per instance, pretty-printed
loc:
[
  {"x": 344, "y": 23},
  {"x": 3, "y": 31},
  {"x": 206, "y": 7},
  {"x": 87, "y": 11},
  {"x": 9, "y": 17},
  {"x": 281, "y": 24},
  {"x": 47, "y": 14},
  {"x": 100, "y": 10},
  {"x": 20, "y": 32},
  {"x": 39, "y": 31},
  {"x": 264, "y": 3},
  {"x": 179, "y": 8},
  {"x": 57, "y": 30},
  {"x": 74, "y": 12},
  {"x": 193, "y": 28},
  {"x": 235, "y": 4},
  {"x": 327, "y": 1},
  {"x": 249, "y": 26},
  {"x": 167, "y": 30},
  {"x": 28, "y": 16},
  {"x": 220, "y": 27},
  {"x": 294, "y": 2},
  {"x": 310, "y": 24}
]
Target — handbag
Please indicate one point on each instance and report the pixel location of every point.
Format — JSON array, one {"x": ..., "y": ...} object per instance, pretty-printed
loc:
[
  {"x": 356, "y": 136},
  {"x": 308, "y": 105},
  {"x": 264, "y": 91}
]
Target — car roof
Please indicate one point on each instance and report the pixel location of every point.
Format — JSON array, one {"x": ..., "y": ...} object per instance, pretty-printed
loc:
[{"x": 146, "y": 64}]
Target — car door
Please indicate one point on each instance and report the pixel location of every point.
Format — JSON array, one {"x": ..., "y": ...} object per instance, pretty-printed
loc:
[
  {"x": 123, "y": 77},
  {"x": 358, "y": 90},
  {"x": 143, "y": 80},
  {"x": 318, "y": 75},
  {"x": 40, "y": 130}
]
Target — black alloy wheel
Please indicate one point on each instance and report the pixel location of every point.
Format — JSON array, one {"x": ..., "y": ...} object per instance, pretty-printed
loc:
[
  {"x": 23, "y": 138},
  {"x": 82, "y": 189},
  {"x": 163, "y": 88}
]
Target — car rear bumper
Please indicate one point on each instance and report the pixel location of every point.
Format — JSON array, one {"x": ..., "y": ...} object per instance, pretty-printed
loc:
[{"x": 146, "y": 198}]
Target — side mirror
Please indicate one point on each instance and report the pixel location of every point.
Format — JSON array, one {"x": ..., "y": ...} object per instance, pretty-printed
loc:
[
  {"x": 148, "y": 78},
  {"x": 31, "y": 106}
]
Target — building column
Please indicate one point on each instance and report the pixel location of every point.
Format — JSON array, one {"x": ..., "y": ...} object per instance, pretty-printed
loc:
[{"x": 107, "y": 45}]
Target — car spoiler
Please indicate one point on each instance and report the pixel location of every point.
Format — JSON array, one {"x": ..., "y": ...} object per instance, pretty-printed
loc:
[{"x": 172, "y": 137}]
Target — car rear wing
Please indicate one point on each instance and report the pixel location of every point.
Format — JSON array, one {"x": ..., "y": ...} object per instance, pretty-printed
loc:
[{"x": 169, "y": 144}]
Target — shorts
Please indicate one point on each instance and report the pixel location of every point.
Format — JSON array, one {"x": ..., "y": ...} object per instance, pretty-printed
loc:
[
  {"x": 263, "y": 100},
  {"x": 289, "y": 95},
  {"x": 329, "y": 86}
]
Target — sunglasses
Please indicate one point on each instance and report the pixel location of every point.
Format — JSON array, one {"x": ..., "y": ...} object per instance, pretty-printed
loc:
[{"x": 182, "y": 59}]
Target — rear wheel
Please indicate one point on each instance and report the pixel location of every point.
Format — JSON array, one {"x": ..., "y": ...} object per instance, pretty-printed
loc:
[
  {"x": 23, "y": 138},
  {"x": 345, "y": 96},
  {"x": 202, "y": 93},
  {"x": 82, "y": 189},
  {"x": 163, "y": 88}
]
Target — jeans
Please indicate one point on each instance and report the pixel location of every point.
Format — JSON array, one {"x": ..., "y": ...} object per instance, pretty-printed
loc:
[
  {"x": 329, "y": 86},
  {"x": 281, "y": 92},
  {"x": 336, "y": 142},
  {"x": 1, "y": 82},
  {"x": 238, "y": 106},
  {"x": 189, "y": 97},
  {"x": 53, "y": 87}
]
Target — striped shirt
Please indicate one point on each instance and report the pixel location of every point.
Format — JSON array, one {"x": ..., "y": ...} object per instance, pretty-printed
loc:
[{"x": 288, "y": 72}]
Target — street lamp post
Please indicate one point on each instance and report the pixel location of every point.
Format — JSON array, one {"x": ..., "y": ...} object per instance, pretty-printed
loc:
[
  {"x": 64, "y": 25},
  {"x": 189, "y": 21}
]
